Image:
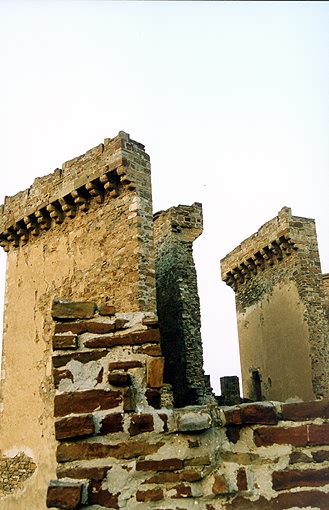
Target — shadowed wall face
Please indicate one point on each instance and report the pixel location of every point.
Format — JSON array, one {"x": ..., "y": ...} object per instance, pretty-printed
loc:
[{"x": 280, "y": 302}]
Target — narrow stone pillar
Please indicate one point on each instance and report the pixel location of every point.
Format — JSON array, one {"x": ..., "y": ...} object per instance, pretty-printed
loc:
[
  {"x": 178, "y": 303},
  {"x": 280, "y": 301}
]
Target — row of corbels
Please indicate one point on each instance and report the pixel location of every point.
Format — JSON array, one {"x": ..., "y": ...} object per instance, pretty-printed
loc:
[
  {"x": 276, "y": 250},
  {"x": 68, "y": 206}
]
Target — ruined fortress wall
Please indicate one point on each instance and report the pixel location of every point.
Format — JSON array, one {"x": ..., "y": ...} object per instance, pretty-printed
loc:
[
  {"x": 283, "y": 331},
  {"x": 178, "y": 302},
  {"x": 82, "y": 231}
]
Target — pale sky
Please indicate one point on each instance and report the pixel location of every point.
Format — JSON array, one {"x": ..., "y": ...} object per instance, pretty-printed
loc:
[{"x": 231, "y": 100}]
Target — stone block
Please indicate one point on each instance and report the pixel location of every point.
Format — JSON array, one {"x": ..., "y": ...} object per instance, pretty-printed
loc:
[
  {"x": 82, "y": 357},
  {"x": 305, "y": 410},
  {"x": 129, "y": 399},
  {"x": 149, "y": 495},
  {"x": 290, "y": 478},
  {"x": 153, "y": 397},
  {"x": 125, "y": 365},
  {"x": 318, "y": 434},
  {"x": 248, "y": 414},
  {"x": 196, "y": 421},
  {"x": 241, "y": 480},
  {"x": 105, "y": 309},
  {"x": 74, "y": 426},
  {"x": 78, "y": 472},
  {"x": 83, "y": 450},
  {"x": 154, "y": 368},
  {"x": 321, "y": 456},
  {"x": 64, "y": 495},
  {"x": 267, "y": 436},
  {"x": 182, "y": 491},
  {"x": 140, "y": 423},
  {"x": 111, "y": 423},
  {"x": 73, "y": 310},
  {"x": 61, "y": 375},
  {"x": 86, "y": 401},
  {"x": 220, "y": 485},
  {"x": 135, "y": 338},
  {"x": 64, "y": 342}
]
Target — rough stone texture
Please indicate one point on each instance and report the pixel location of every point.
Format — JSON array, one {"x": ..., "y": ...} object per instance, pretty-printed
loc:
[
  {"x": 66, "y": 496},
  {"x": 281, "y": 310},
  {"x": 14, "y": 471},
  {"x": 178, "y": 303}
]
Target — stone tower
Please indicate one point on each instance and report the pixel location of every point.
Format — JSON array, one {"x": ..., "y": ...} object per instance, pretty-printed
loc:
[{"x": 281, "y": 310}]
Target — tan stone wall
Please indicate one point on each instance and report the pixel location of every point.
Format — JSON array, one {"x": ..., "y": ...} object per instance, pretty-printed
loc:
[
  {"x": 283, "y": 330},
  {"x": 85, "y": 230}
]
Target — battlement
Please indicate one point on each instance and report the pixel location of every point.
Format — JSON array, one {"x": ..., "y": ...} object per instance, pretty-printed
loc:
[{"x": 103, "y": 170}]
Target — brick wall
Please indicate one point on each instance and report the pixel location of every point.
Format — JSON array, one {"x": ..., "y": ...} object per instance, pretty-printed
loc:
[
  {"x": 122, "y": 444},
  {"x": 279, "y": 291}
]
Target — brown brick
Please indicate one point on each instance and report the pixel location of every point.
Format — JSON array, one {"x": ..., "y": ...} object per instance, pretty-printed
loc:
[
  {"x": 82, "y": 450},
  {"x": 149, "y": 495},
  {"x": 64, "y": 495},
  {"x": 119, "y": 379},
  {"x": 150, "y": 350},
  {"x": 77, "y": 328},
  {"x": 306, "y": 410},
  {"x": 105, "y": 309},
  {"x": 283, "y": 501},
  {"x": 150, "y": 322},
  {"x": 111, "y": 423},
  {"x": 99, "y": 496},
  {"x": 60, "y": 375},
  {"x": 125, "y": 365},
  {"x": 182, "y": 491},
  {"x": 82, "y": 357},
  {"x": 136, "y": 338},
  {"x": 233, "y": 416},
  {"x": 129, "y": 399},
  {"x": 65, "y": 342},
  {"x": 296, "y": 457},
  {"x": 220, "y": 485},
  {"x": 100, "y": 327},
  {"x": 73, "y": 310},
  {"x": 241, "y": 480},
  {"x": 74, "y": 426},
  {"x": 266, "y": 436},
  {"x": 233, "y": 433},
  {"x": 187, "y": 475},
  {"x": 258, "y": 413},
  {"x": 319, "y": 434},
  {"x": 89, "y": 473},
  {"x": 153, "y": 397},
  {"x": 120, "y": 323},
  {"x": 202, "y": 460},
  {"x": 321, "y": 456},
  {"x": 86, "y": 401},
  {"x": 159, "y": 465},
  {"x": 154, "y": 369},
  {"x": 289, "y": 478},
  {"x": 140, "y": 423}
]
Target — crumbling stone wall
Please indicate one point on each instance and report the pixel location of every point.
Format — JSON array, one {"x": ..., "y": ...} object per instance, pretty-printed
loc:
[
  {"x": 178, "y": 302},
  {"x": 283, "y": 330},
  {"x": 121, "y": 444}
]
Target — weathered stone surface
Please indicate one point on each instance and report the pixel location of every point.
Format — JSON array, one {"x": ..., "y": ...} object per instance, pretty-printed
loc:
[
  {"x": 73, "y": 310},
  {"x": 159, "y": 465},
  {"x": 14, "y": 471},
  {"x": 74, "y": 426},
  {"x": 250, "y": 414},
  {"x": 153, "y": 398},
  {"x": 105, "y": 309},
  {"x": 284, "y": 501},
  {"x": 65, "y": 342},
  {"x": 193, "y": 421},
  {"x": 220, "y": 485},
  {"x": 150, "y": 350},
  {"x": 129, "y": 399},
  {"x": 77, "y": 472},
  {"x": 83, "y": 450},
  {"x": 187, "y": 475},
  {"x": 321, "y": 456},
  {"x": 136, "y": 338},
  {"x": 86, "y": 401},
  {"x": 182, "y": 491},
  {"x": 119, "y": 379},
  {"x": 290, "y": 478},
  {"x": 266, "y": 436},
  {"x": 64, "y": 495},
  {"x": 305, "y": 410},
  {"x": 149, "y": 495},
  {"x": 140, "y": 423},
  {"x": 154, "y": 372},
  {"x": 318, "y": 434}
]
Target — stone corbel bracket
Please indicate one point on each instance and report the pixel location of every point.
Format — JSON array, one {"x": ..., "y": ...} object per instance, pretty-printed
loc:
[
  {"x": 103, "y": 171},
  {"x": 267, "y": 256}
]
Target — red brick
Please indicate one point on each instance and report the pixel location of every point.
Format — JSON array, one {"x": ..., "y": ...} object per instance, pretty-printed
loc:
[
  {"x": 119, "y": 379},
  {"x": 283, "y": 501},
  {"x": 153, "y": 397},
  {"x": 140, "y": 423},
  {"x": 220, "y": 485},
  {"x": 266, "y": 436},
  {"x": 306, "y": 410},
  {"x": 241, "y": 480},
  {"x": 100, "y": 327},
  {"x": 65, "y": 342},
  {"x": 83, "y": 450},
  {"x": 155, "y": 372},
  {"x": 149, "y": 495},
  {"x": 60, "y": 375},
  {"x": 289, "y": 478},
  {"x": 182, "y": 491},
  {"x": 82, "y": 357},
  {"x": 159, "y": 465},
  {"x": 258, "y": 414},
  {"x": 136, "y": 338},
  {"x": 111, "y": 423},
  {"x": 89, "y": 473},
  {"x": 319, "y": 434},
  {"x": 233, "y": 416},
  {"x": 77, "y": 328},
  {"x": 150, "y": 350},
  {"x": 73, "y": 310},
  {"x": 105, "y": 309},
  {"x": 74, "y": 426},
  {"x": 66, "y": 496},
  {"x": 86, "y": 401},
  {"x": 125, "y": 365},
  {"x": 187, "y": 475},
  {"x": 99, "y": 496},
  {"x": 296, "y": 457}
]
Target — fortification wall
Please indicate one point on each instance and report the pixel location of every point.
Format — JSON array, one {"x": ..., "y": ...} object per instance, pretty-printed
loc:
[
  {"x": 83, "y": 231},
  {"x": 283, "y": 330}
]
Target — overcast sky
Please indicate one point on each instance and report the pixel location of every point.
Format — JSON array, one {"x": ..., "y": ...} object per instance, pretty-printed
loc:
[{"x": 231, "y": 100}]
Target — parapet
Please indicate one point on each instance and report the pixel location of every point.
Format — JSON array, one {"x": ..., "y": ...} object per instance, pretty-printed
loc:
[{"x": 102, "y": 170}]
